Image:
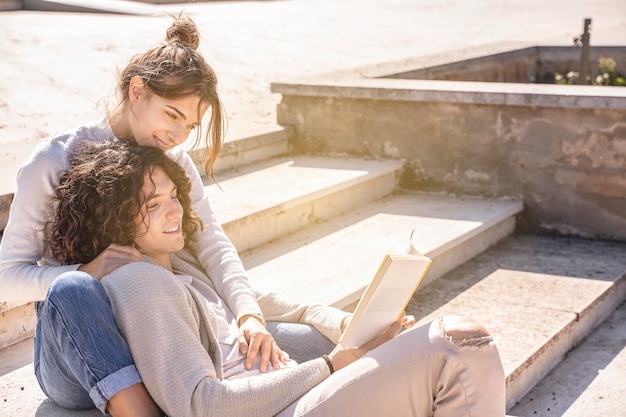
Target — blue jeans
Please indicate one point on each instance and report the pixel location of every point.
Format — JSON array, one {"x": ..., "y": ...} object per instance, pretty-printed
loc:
[
  {"x": 300, "y": 341},
  {"x": 81, "y": 359}
]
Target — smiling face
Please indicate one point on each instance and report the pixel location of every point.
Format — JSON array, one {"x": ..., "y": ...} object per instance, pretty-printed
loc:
[
  {"x": 159, "y": 224},
  {"x": 159, "y": 122}
]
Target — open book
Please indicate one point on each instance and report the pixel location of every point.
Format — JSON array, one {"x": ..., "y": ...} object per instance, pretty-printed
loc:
[{"x": 386, "y": 296}]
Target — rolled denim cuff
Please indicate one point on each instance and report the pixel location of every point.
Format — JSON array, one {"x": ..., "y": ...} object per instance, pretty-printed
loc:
[{"x": 104, "y": 390}]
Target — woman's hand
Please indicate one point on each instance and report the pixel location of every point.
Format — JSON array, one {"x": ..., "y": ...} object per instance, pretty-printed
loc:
[
  {"x": 342, "y": 357},
  {"x": 254, "y": 339},
  {"x": 113, "y": 257},
  {"x": 408, "y": 321}
]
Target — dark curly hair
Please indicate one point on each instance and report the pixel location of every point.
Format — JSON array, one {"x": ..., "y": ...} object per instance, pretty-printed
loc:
[{"x": 99, "y": 198}]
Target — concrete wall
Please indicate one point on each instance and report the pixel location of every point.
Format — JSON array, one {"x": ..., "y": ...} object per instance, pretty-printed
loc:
[
  {"x": 568, "y": 163},
  {"x": 9, "y": 5},
  {"x": 527, "y": 65}
]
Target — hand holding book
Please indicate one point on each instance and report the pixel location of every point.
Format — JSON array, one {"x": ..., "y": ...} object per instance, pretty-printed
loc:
[
  {"x": 386, "y": 297},
  {"x": 342, "y": 356}
]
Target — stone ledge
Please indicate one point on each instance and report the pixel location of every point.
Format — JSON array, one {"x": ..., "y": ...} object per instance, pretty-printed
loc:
[
  {"x": 247, "y": 147},
  {"x": 539, "y": 296},
  {"x": 17, "y": 322},
  {"x": 467, "y": 92},
  {"x": 342, "y": 253},
  {"x": 91, "y": 6},
  {"x": 556, "y": 147},
  {"x": 412, "y": 80}
]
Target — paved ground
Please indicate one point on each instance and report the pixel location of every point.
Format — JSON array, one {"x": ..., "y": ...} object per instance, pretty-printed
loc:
[
  {"x": 55, "y": 67},
  {"x": 586, "y": 383}
]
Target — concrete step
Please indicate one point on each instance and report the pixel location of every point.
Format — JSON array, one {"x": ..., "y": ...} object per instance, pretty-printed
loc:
[
  {"x": 539, "y": 296},
  {"x": 332, "y": 262},
  {"x": 92, "y": 6},
  {"x": 245, "y": 146},
  {"x": 260, "y": 202},
  {"x": 17, "y": 322},
  {"x": 584, "y": 383}
]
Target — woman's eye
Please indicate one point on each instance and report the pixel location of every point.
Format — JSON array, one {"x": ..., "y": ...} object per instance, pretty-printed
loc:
[
  {"x": 171, "y": 115},
  {"x": 151, "y": 207}
]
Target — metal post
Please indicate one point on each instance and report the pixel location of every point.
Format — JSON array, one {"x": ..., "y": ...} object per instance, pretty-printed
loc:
[{"x": 584, "y": 56}]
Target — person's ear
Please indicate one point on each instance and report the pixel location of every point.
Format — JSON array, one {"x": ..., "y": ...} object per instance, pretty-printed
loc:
[{"x": 136, "y": 89}]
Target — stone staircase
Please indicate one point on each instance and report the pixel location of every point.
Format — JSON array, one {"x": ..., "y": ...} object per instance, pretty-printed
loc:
[{"x": 314, "y": 228}]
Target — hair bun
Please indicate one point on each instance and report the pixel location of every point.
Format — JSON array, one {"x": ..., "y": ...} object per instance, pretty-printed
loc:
[{"x": 185, "y": 31}]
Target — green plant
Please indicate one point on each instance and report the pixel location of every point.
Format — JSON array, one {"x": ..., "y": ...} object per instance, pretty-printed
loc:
[
  {"x": 569, "y": 79},
  {"x": 607, "y": 75}
]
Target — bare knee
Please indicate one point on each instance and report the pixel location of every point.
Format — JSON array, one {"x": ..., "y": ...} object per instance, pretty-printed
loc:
[{"x": 464, "y": 331}]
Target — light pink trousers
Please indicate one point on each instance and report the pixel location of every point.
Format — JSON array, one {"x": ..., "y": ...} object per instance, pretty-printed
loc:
[{"x": 419, "y": 373}]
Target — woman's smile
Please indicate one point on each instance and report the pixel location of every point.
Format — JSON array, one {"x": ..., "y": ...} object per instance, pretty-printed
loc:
[{"x": 162, "y": 144}]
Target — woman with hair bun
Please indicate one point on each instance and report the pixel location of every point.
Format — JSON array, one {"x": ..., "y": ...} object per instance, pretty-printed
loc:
[{"x": 81, "y": 360}]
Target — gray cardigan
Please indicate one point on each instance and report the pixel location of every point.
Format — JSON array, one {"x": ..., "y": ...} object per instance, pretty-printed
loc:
[{"x": 168, "y": 326}]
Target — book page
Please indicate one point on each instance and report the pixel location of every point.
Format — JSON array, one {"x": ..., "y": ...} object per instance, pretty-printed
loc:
[{"x": 385, "y": 297}]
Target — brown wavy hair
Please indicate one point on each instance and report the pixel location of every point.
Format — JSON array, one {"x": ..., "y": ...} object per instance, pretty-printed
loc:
[
  {"x": 99, "y": 198},
  {"x": 175, "y": 69}
]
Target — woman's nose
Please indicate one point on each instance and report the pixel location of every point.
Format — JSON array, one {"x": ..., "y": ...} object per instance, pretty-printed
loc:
[{"x": 178, "y": 135}]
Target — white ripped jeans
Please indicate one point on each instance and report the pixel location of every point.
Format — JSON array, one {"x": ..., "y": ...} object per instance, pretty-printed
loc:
[{"x": 450, "y": 367}]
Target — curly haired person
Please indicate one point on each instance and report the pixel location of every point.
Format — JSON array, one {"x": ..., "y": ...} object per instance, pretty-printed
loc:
[{"x": 184, "y": 337}]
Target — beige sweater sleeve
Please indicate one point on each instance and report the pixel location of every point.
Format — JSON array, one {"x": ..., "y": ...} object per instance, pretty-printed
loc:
[
  {"x": 328, "y": 320},
  {"x": 168, "y": 329}
]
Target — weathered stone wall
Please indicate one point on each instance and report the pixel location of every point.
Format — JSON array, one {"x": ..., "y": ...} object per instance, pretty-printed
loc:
[
  {"x": 567, "y": 164},
  {"x": 528, "y": 65}
]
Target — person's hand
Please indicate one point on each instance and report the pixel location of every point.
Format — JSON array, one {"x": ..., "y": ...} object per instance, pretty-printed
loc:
[
  {"x": 342, "y": 357},
  {"x": 113, "y": 257},
  {"x": 408, "y": 321},
  {"x": 254, "y": 339}
]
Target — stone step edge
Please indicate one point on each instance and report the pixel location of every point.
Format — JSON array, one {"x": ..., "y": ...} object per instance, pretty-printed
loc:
[
  {"x": 479, "y": 240},
  {"x": 246, "y": 148},
  {"x": 521, "y": 380},
  {"x": 296, "y": 213},
  {"x": 452, "y": 254},
  {"x": 462, "y": 243},
  {"x": 97, "y": 6},
  {"x": 21, "y": 313}
]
